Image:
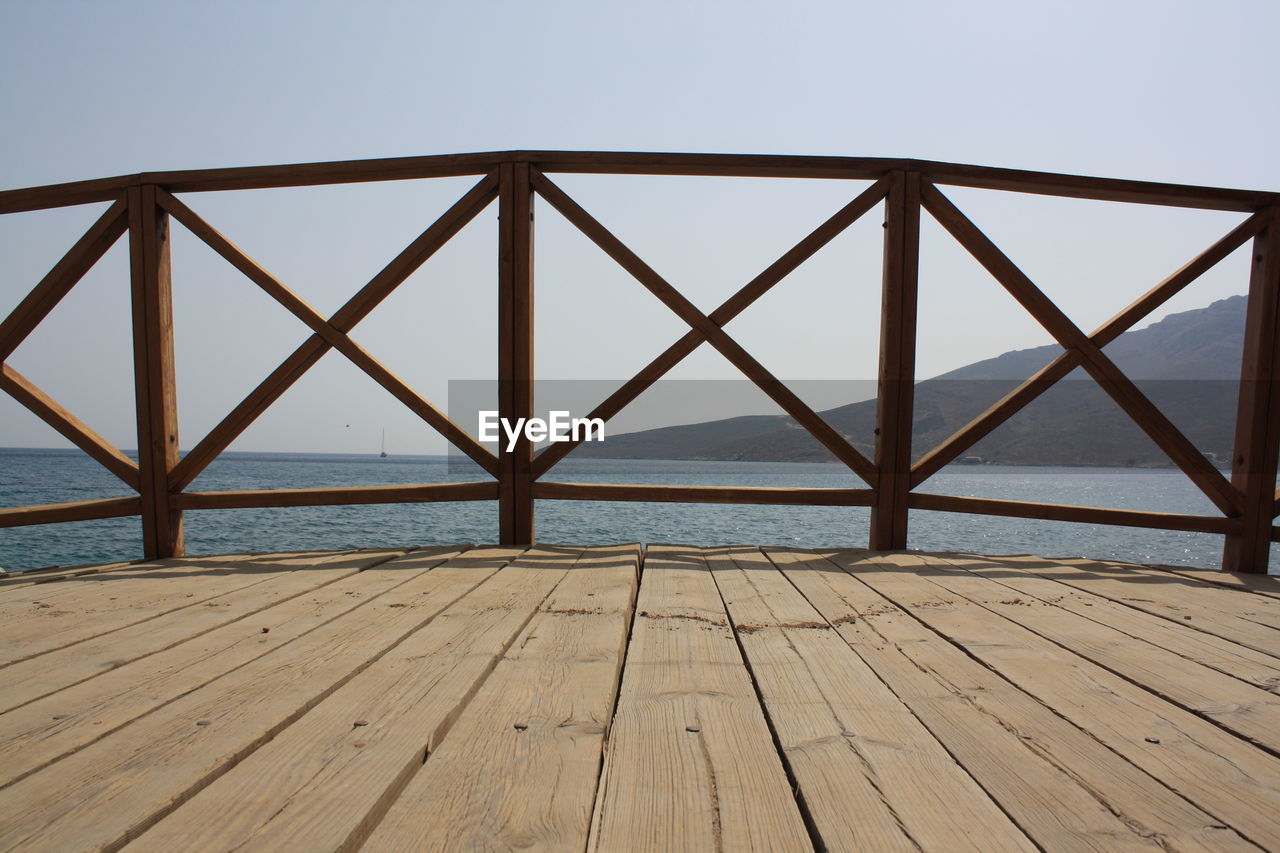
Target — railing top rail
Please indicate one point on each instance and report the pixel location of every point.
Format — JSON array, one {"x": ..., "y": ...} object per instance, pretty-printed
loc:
[{"x": 640, "y": 163}]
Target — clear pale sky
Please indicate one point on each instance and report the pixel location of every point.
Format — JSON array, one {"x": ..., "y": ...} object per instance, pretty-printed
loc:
[{"x": 1171, "y": 91}]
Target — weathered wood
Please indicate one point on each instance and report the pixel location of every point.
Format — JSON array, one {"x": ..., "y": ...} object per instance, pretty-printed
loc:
[
  {"x": 1016, "y": 400},
  {"x": 712, "y": 333},
  {"x": 870, "y": 774},
  {"x": 1248, "y": 665},
  {"x": 1242, "y": 708},
  {"x": 685, "y": 769},
  {"x": 57, "y": 283},
  {"x": 1257, "y": 439},
  {"x": 344, "y": 319},
  {"x": 1261, "y": 584},
  {"x": 117, "y": 787},
  {"x": 519, "y": 768},
  {"x": 1247, "y": 620},
  {"x": 896, "y": 384},
  {"x": 343, "y": 495},
  {"x": 86, "y": 692},
  {"x": 515, "y": 351},
  {"x": 1221, "y": 773},
  {"x": 155, "y": 388},
  {"x": 324, "y": 782},
  {"x": 730, "y": 308},
  {"x": 702, "y": 494},
  {"x": 1066, "y": 789},
  {"x": 1066, "y": 512},
  {"x": 72, "y": 428},
  {"x": 1109, "y": 377},
  {"x": 50, "y": 617},
  {"x": 73, "y": 511}
]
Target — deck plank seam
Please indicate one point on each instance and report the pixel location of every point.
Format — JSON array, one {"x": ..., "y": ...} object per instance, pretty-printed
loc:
[
  {"x": 1200, "y": 806},
  {"x": 99, "y": 735},
  {"x": 182, "y": 797},
  {"x": 197, "y": 635},
  {"x": 1273, "y": 688}
]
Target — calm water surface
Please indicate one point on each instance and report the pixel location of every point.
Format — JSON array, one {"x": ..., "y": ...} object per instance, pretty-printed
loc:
[{"x": 54, "y": 476}]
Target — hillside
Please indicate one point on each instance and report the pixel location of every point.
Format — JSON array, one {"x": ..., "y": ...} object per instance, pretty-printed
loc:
[{"x": 1187, "y": 363}]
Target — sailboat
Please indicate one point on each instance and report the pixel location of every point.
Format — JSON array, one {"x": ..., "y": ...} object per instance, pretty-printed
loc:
[{"x": 383, "y": 453}]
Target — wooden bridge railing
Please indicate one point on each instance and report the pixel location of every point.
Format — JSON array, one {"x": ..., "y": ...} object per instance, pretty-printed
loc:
[{"x": 142, "y": 205}]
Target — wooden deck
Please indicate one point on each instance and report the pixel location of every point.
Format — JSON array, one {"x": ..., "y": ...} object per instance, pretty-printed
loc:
[{"x": 732, "y": 698}]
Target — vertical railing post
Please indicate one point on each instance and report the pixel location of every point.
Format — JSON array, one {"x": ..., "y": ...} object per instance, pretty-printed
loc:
[
  {"x": 897, "y": 363},
  {"x": 1257, "y": 444},
  {"x": 153, "y": 371},
  {"x": 515, "y": 350}
]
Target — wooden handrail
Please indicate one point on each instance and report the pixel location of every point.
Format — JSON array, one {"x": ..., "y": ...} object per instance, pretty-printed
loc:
[{"x": 142, "y": 205}]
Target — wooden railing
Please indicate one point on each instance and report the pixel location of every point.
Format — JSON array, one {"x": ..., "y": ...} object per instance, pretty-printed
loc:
[{"x": 143, "y": 204}]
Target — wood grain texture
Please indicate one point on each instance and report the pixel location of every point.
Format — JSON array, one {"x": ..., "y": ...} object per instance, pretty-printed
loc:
[
  {"x": 329, "y": 777},
  {"x": 685, "y": 768},
  {"x": 702, "y": 494},
  {"x": 1067, "y": 512},
  {"x": 1220, "y": 773},
  {"x": 1245, "y": 709},
  {"x": 344, "y": 495},
  {"x": 112, "y": 790},
  {"x": 22, "y": 516},
  {"x": 870, "y": 774},
  {"x": 97, "y": 693},
  {"x": 1063, "y": 786},
  {"x": 519, "y": 768},
  {"x": 515, "y": 351}
]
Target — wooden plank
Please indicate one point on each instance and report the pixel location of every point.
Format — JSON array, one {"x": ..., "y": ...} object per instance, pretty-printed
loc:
[
  {"x": 20, "y": 516},
  {"x": 519, "y": 768},
  {"x": 65, "y": 194},
  {"x": 345, "y": 495},
  {"x": 154, "y": 383},
  {"x": 1257, "y": 440},
  {"x": 344, "y": 320},
  {"x": 1109, "y": 377},
  {"x": 86, "y": 708},
  {"x": 43, "y": 619},
  {"x": 730, "y": 308},
  {"x": 702, "y": 494},
  {"x": 1067, "y": 512},
  {"x": 1062, "y": 785},
  {"x": 897, "y": 368},
  {"x": 46, "y": 574},
  {"x": 870, "y": 774},
  {"x": 712, "y": 333},
  {"x": 355, "y": 353},
  {"x": 691, "y": 763},
  {"x": 1233, "y": 659},
  {"x": 984, "y": 424},
  {"x": 515, "y": 351},
  {"x": 323, "y": 782},
  {"x": 57, "y": 283},
  {"x": 114, "y": 789},
  {"x": 1226, "y": 776},
  {"x": 1249, "y": 711},
  {"x": 27, "y": 680},
  {"x": 1258, "y": 584},
  {"x": 1244, "y": 619}
]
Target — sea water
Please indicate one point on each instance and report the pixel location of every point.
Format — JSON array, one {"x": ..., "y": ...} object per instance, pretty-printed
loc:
[{"x": 54, "y": 476}]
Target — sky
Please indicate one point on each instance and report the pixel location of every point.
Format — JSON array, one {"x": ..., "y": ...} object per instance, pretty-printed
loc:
[{"x": 1168, "y": 91}]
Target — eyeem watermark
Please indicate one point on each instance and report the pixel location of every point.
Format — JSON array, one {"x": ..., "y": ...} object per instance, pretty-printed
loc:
[{"x": 560, "y": 427}]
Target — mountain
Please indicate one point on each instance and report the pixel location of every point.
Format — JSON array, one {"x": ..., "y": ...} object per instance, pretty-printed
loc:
[{"x": 1187, "y": 364}]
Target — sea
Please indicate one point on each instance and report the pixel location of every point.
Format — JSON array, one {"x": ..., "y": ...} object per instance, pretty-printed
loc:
[{"x": 43, "y": 476}]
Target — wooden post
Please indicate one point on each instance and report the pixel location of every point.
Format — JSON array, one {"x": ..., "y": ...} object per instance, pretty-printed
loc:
[
  {"x": 1253, "y": 469},
  {"x": 515, "y": 350},
  {"x": 154, "y": 385},
  {"x": 897, "y": 363}
]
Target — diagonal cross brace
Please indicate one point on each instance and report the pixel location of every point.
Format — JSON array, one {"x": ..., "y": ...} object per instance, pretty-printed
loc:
[
  {"x": 344, "y": 319},
  {"x": 325, "y": 329},
  {"x": 705, "y": 327},
  {"x": 1112, "y": 380}
]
